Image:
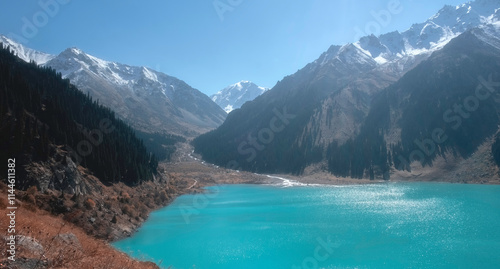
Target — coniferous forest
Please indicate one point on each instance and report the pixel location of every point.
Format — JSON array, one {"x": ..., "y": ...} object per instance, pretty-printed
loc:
[
  {"x": 161, "y": 145},
  {"x": 39, "y": 109}
]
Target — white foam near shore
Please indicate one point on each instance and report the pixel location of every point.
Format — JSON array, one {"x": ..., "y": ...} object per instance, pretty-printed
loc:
[
  {"x": 285, "y": 183},
  {"x": 290, "y": 183}
]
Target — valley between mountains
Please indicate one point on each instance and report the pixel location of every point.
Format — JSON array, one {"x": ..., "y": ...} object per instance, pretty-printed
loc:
[{"x": 98, "y": 145}]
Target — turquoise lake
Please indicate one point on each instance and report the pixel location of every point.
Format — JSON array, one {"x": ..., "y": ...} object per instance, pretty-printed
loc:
[{"x": 393, "y": 225}]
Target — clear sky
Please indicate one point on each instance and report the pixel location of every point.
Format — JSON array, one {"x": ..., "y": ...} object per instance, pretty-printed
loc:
[{"x": 208, "y": 44}]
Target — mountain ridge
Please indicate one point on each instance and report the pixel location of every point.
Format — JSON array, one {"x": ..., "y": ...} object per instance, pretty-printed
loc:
[{"x": 26, "y": 54}]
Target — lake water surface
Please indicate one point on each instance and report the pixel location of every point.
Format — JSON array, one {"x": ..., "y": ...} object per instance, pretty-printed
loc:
[{"x": 394, "y": 225}]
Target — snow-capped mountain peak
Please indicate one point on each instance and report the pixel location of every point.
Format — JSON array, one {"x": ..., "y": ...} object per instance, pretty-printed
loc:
[
  {"x": 241, "y": 85},
  {"x": 420, "y": 39},
  {"x": 73, "y": 61},
  {"x": 234, "y": 96}
]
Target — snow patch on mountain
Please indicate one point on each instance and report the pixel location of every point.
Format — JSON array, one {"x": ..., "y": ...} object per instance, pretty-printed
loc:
[
  {"x": 490, "y": 34},
  {"x": 228, "y": 108}
]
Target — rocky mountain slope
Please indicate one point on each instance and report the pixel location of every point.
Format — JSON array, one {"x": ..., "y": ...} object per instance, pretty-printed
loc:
[{"x": 149, "y": 100}]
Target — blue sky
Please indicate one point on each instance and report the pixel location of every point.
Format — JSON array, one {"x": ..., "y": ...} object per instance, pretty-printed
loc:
[{"x": 208, "y": 44}]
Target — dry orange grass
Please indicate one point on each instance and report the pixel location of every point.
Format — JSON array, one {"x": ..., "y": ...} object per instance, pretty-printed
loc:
[{"x": 85, "y": 252}]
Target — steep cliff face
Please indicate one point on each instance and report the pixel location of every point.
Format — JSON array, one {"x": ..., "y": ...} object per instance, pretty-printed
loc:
[{"x": 60, "y": 173}]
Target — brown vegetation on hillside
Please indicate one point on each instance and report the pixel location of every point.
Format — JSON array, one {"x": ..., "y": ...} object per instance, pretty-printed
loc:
[{"x": 47, "y": 241}]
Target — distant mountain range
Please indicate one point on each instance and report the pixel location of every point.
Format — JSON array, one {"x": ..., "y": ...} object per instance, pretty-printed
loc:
[
  {"x": 149, "y": 100},
  {"x": 328, "y": 105},
  {"x": 234, "y": 96}
]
